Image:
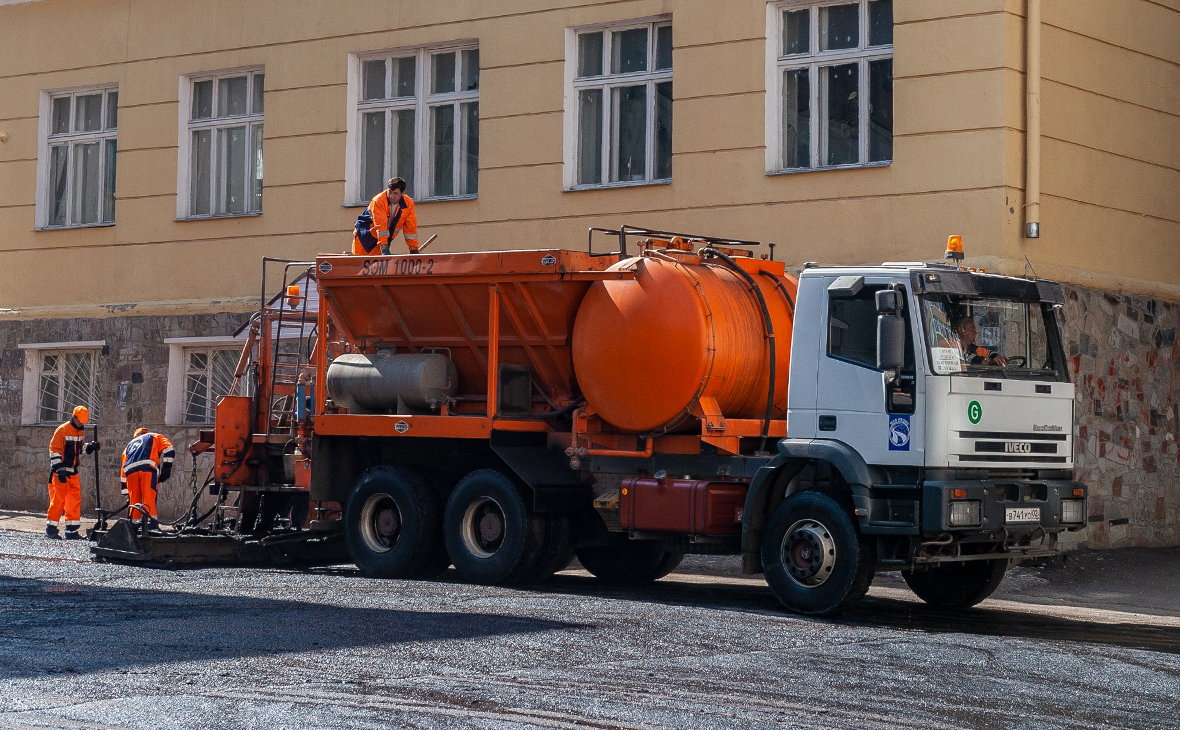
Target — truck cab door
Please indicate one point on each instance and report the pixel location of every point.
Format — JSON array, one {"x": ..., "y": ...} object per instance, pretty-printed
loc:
[{"x": 856, "y": 403}]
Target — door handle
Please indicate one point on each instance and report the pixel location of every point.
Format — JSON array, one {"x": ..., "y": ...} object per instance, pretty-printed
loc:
[{"x": 827, "y": 423}]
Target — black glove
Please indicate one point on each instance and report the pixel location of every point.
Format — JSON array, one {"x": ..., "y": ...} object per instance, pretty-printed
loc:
[
  {"x": 165, "y": 472},
  {"x": 62, "y": 476},
  {"x": 92, "y": 447},
  {"x": 385, "y": 250}
]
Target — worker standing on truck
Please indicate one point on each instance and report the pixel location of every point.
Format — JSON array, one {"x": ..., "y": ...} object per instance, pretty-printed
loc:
[
  {"x": 65, "y": 492},
  {"x": 147, "y": 461},
  {"x": 390, "y": 212}
]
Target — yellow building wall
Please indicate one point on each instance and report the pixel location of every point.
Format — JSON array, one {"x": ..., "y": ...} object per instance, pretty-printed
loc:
[{"x": 1111, "y": 148}]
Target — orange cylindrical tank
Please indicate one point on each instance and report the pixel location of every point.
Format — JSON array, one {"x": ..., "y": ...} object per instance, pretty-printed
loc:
[{"x": 646, "y": 350}]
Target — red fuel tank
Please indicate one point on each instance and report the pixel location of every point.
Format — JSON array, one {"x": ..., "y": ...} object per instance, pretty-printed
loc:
[{"x": 645, "y": 350}]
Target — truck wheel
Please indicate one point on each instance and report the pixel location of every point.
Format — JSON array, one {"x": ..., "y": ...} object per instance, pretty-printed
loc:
[
  {"x": 629, "y": 562},
  {"x": 558, "y": 549},
  {"x": 815, "y": 562},
  {"x": 956, "y": 585},
  {"x": 391, "y": 524},
  {"x": 491, "y": 537}
]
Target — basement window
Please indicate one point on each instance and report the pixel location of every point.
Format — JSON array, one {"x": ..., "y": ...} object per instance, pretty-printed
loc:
[
  {"x": 57, "y": 377},
  {"x": 200, "y": 372}
]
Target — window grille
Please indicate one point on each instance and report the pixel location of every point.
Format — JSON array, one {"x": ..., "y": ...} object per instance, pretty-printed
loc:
[
  {"x": 209, "y": 374},
  {"x": 67, "y": 379}
]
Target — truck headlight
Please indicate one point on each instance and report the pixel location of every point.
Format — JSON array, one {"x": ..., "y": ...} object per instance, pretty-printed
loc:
[
  {"x": 965, "y": 514},
  {"x": 1071, "y": 510}
]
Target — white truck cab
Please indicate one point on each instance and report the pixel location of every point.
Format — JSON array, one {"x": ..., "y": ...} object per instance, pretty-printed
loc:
[{"x": 937, "y": 400}]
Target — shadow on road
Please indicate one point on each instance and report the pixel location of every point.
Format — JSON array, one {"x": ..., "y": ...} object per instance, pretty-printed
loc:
[
  {"x": 880, "y": 612},
  {"x": 64, "y": 628}
]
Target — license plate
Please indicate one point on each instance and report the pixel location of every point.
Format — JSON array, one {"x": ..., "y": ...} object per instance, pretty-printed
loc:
[{"x": 1022, "y": 514}]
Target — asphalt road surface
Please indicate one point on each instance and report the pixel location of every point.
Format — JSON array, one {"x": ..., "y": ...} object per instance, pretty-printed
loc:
[{"x": 86, "y": 645}]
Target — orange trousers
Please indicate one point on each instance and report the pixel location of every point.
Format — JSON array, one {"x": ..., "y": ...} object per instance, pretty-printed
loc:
[
  {"x": 65, "y": 496},
  {"x": 141, "y": 487}
]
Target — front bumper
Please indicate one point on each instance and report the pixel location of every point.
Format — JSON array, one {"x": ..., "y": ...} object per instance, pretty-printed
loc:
[{"x": 995, "y": 498}]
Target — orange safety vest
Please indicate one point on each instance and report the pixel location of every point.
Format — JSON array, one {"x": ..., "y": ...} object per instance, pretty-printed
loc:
[
  {"x": 147, "y": 452},
  {"x": 387, "y": 226},
  {"x": 64, "y": 449}
]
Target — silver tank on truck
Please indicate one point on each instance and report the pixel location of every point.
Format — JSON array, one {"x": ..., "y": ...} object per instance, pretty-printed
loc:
[{"x": 386, "y": 381}]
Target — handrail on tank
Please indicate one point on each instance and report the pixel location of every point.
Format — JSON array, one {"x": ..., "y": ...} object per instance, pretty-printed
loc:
[{"x": 629, "y": 230}]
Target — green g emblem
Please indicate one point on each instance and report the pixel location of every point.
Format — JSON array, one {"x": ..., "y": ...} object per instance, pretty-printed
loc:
[{"x": 975, "y": 411}]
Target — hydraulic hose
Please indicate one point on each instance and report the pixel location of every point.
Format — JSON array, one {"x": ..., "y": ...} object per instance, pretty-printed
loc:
[
  {"x": 710, "y": 251},
  {"x": 786, "y": 294}
]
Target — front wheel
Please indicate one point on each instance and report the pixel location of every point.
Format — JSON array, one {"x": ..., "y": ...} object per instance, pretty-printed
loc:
[
  {"x": 814, "y": 560},
  {"x": 956, "y": 585}
]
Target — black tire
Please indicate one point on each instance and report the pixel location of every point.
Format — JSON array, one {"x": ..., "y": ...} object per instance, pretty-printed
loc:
[
  {"x": 629, "y": 562},
  {"x": 956, "y": 585},
  {"x": 392, "y": 524},
  {"x": 557, "y": 552},
  {"x": 815, "y": 561},
  {"x": 491, "y": 536}
]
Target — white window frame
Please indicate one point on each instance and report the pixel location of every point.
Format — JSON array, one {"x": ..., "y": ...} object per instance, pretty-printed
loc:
[
  {"x": 777, "y": 64},
  {"x": 47, "y": 140},
  {"x": 421, "y": 102},
  {"x": 31, "y": 388},
  {"x": 187, "y": 126},
  {"x": 178, "y": 351},
  {"x": 608, "y": 81}
]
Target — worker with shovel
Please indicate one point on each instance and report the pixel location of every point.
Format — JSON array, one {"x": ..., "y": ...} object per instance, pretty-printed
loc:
[
  {"x": 65, "y": 491},
  {"x": 389, "y": 213},
  {"x": 147, "y": 461}
]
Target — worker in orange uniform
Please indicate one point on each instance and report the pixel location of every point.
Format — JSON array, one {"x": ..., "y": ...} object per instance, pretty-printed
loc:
[
  {"x": 390, "y": 212},
  {"x": 65, "y": 491},
  {"x": 147, "y": 461}
]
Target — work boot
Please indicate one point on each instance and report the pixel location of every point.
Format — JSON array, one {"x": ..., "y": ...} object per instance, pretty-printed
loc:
[
  {"x": 72, "y": 533},
  {"x": 51, "y": 532}
]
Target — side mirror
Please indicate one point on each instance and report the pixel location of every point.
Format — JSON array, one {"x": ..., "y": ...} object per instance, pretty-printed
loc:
[
  {"x": 889, "y": 301},
  {"x": 890, "y": 340}
]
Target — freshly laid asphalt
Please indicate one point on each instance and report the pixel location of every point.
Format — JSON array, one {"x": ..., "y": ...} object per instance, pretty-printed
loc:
[{"x": 88, "y": 645}]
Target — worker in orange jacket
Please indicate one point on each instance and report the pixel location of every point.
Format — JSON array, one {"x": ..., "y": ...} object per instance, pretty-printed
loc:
[
  {"x": 65, "y": 491},
  {"x": 392, "y": 213},
  {"x": 147, "y": 461}
]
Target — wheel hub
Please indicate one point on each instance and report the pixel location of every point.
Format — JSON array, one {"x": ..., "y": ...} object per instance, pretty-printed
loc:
[
  {"x": 381, "y": 523},
  {"x": 809, "y": 553},
  {"x": 483, "y": 527}
]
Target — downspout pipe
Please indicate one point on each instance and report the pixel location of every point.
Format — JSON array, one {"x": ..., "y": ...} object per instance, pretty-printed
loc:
[{"x": 1032, "y": 122}]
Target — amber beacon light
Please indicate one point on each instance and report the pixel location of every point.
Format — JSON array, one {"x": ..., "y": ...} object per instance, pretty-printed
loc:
[{"x": 954, "y": 248}]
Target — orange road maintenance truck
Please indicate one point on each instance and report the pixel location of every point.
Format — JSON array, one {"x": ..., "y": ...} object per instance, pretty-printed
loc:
[{"x": 505, "y": 411}]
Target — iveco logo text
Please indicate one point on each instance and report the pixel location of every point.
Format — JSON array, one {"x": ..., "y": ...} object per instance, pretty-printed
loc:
[
  {"x": 1014, "y": 447},
  {"x": 1048, "y": 427}
]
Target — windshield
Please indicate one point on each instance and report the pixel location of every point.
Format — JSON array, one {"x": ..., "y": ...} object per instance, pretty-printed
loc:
[{"x": 990, "y": 336}]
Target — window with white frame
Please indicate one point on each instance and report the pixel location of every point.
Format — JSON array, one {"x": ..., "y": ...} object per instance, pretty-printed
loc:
[
  {"x": 622, "y": 97},
  {"x": 200, "y": 372},
  {"x": 81, "y": 146},
  {"x": 833, "y": 66},
  {"x": 57, "y": 377},
  {"x": 208, "y": 375},
  {"x": 418, "y": 117},
  {"x": 223, "y": 140}
]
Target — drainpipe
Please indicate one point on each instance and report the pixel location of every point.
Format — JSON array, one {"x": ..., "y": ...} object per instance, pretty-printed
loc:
[{"x": 1032, "y": 123}]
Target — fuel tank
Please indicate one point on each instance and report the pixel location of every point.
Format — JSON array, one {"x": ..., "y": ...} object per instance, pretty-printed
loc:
[
  {"x": 376, "y": 383},
  {"x": 647, "y": 349}
]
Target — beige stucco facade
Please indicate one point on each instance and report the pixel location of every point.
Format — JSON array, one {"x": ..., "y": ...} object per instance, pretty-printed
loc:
[
  {"x": 1110, "y": 171},
  {"x": 1109, "y": 180}
]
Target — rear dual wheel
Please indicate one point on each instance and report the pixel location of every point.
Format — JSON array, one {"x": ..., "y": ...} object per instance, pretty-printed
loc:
[
  {"x": 493, "y": 538},
  {"x": 629, "y": 562},
  {"x": 392, "y": 525}
]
